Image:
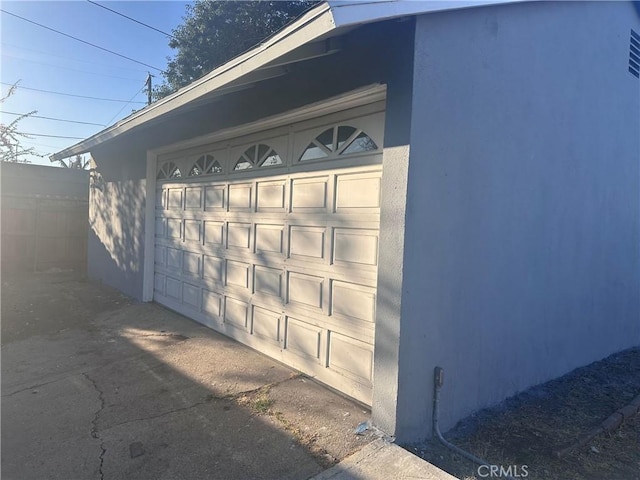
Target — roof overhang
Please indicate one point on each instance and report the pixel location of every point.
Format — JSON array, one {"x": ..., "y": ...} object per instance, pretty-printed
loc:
[{"x": 309, "y": 36}]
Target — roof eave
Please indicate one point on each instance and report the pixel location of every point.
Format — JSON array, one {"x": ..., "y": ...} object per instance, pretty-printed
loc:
[
  {"x": 318, "y": 21},
  {"x": 315, "y": 23}
]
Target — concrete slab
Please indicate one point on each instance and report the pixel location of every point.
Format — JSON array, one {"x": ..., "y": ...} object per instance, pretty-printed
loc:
[
  {"x": 329, "y": 432},
  {"x": 136, "y": 391},
  {"x": 381, "y": 460},
  {"x": 112, "y": 390}
]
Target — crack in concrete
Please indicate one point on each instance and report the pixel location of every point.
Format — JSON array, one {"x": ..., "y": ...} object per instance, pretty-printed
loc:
[
  {"x": 38, "y": 385},
  {"x": 176, "y": 335},
  {"x": 210, "y": 398},
  {"x": 168, "y": 412},
  {"x": 94, "y": 424}
]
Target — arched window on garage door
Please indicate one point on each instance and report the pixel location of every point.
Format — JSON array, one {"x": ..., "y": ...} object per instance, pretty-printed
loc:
[
  {"x": 338, "y": 141},
  {"x": 168, "y": 170},
  {"x": 205, "y": 165},
  {"x": 259, "y": 155}
]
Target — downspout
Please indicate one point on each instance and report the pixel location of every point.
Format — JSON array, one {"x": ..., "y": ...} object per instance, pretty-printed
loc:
[{"x": 438, "y": 380}]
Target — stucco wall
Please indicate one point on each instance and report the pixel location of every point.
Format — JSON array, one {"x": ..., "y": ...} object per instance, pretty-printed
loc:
[
  {"x": 116, "y": 220},
  {"x": 521, "y": 249}
]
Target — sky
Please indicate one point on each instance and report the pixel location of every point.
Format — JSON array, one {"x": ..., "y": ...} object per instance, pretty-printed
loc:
[{"x": 43, "y": 60}]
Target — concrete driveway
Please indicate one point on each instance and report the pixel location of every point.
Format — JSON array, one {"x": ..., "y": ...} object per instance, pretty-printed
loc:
[{"x": 95, "y": 386}]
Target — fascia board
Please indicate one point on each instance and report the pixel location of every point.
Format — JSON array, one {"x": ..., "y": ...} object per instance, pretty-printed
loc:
[{"x": 357, "y": 13}]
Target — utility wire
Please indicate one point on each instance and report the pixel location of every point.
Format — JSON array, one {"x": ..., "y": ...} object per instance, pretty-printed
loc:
[
  {"x": 72, "y": 95},
  {"x": 38, "y": 144},
  {"x": 50, "y": 136},
  {"x": 130, "y": 101},
  {"x": 78, "y": 39},
  {"x": 132, "y": 19},
  {"x": 51, "y": 65},
  {"x": 89, "y": 62},
  {"x": 51, "y": 118}
]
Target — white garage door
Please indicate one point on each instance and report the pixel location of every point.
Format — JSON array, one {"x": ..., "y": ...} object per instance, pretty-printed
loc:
[{"x": 272, "y": 239}]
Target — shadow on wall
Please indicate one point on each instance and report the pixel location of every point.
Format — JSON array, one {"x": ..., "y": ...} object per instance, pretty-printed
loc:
[{"x": 116, "y": 233}]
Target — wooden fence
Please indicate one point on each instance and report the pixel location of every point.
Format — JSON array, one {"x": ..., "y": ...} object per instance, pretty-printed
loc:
[{"x": 44, "y": 214}]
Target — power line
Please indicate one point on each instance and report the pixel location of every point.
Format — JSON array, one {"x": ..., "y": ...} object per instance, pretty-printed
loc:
[
  {"x": 50, "y": 136},
  {"x": 38, "y": 144},
  {"x": 89, "y": 62},
  {"x": 78, "y": 39},
  {"x": 132, "y": 19},
  {"x": 56, "y": 119},
  {"x": 51, "y": 65},
  {"x": 72, "y": 95},
  {"x": 130, "y": 101}
]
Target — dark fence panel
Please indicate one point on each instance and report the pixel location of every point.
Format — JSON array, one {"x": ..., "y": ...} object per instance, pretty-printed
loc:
[{"x": 44, "y": 217}]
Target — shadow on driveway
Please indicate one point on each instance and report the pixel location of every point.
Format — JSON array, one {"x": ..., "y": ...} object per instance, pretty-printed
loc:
[{"x": 95, "y": 386}]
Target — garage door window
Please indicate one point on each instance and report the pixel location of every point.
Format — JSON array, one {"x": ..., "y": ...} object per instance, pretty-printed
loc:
[
  {"x": 259, "y": 155},
  {"x": 205, "y": 165},
  {"x": 169, "y": 170},
  {"x": 337, "y": 141}
]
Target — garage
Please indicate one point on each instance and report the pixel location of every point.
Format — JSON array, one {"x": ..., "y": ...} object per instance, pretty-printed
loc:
[{"x": 271, "y": 238}]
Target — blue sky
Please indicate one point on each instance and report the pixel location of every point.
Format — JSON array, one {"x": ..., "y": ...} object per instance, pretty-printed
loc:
[{"x": 45, "y": 60}]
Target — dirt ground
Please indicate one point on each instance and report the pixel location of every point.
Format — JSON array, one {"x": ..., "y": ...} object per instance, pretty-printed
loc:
[{"x": 528, "y": 428}]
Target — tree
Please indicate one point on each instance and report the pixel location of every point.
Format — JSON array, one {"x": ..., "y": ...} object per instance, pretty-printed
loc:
[
  {"x": 213, "y": 32},
  {"x": 10, "y": 148}
]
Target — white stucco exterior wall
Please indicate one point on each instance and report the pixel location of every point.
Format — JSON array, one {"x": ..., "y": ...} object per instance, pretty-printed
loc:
[{"x": 521, "y": 252}]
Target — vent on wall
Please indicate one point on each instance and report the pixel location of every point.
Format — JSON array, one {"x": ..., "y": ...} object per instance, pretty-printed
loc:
[{"x": 634, "y": 54}]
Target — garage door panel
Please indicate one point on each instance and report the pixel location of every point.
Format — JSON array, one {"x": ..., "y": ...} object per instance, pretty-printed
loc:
[
  {"x": 239, "y": 235},
  {"x": 280, "y": 257},
  {"x": 271, "y": 196},
  {"x": 173, "y": 288},
  {"x": 192, "y": 230},
  {"x": 191, "y": 295},
  {"x": 161, "y": 198},
  {"x": 236, "y": 313},
  {"x": 193, "y": 198},
  {"x": 358, "y": 192},
  {"x": 213, "y": 268},
  {"x": 160, "y": 255},
  {"x": 212, "y": 303},
  {"x": 161, "y": 225},
  {"x": 174, "y": 228},
  {"x": 350, "y": 357},
  {"x": 174, "y": 259},
  {"x": 269, "y": 238},
  {"x": 237, "y": 274},
  {"x": 307, "y": 243},
  {"x": 240, "y": 197},
  {"x": 213, "y": 233},
  {"x": 353, "y": 301},
  {"x": 174, "y": 198},
  {"x": 158, "y": 283},
  {"x": 268, "y": 281},
  {"x": 309, "y": 194},
  {"x": 266, "y": 324},
  {"x": 214, "y": 198},
  {"x": 305, "y": 290},
  {"x": 355, "y": 246},
  {"x": 303, "y": 339},
  {"x": 191, "y": 263}
]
